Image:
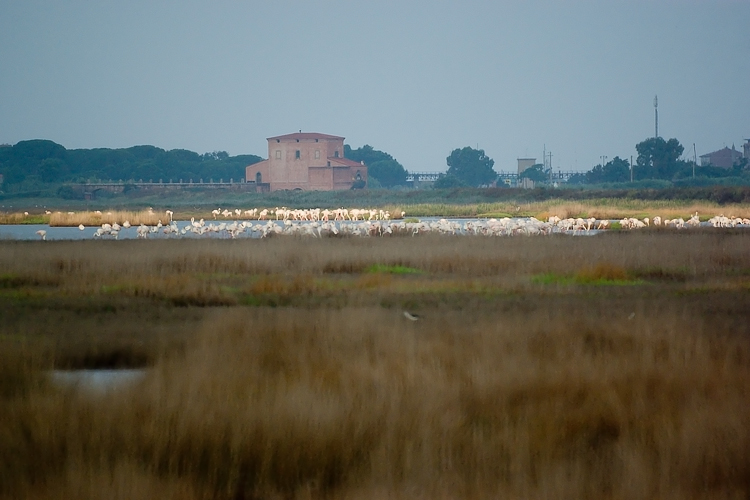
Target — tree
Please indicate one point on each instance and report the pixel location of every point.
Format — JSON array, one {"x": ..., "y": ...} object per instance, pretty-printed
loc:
[
  {"x": 535, "y": 173},
  {"x": 616, "y": 170},
  {"x": 389, "y": 173},
  {"x": 448, "y": 182},
  {"x": 380, "y": 165},
  {"x": 471, "y": 166},
  {"x": 657, "y": 158}
]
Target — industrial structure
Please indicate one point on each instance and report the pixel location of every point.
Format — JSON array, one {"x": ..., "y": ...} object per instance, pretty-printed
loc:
[{"x": 306, "y": 161}]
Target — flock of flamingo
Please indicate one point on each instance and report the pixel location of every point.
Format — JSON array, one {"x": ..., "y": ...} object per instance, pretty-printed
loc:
[{"x": 261, "y": 223}]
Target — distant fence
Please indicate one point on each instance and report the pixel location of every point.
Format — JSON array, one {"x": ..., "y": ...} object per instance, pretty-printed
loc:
[
  {"x": 423, "y": 176},
  {"x": 89, "y": 190},
  {"x": 505, "y": 177}
]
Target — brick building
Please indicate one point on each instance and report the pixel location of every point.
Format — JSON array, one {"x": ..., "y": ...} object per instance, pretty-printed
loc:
[
  {"x": 724, "y": 158},
  {"x": 307, "y": 161}
]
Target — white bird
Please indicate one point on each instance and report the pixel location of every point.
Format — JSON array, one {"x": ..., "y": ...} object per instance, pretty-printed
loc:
[
  {"x": 81, "y": 227},
  {"x": 42, "y": 234},
  {"x": 410, "y": 316}
]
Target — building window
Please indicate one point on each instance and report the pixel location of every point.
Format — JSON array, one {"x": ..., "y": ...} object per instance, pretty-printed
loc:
[
  {"x": 317, "y": 154},
  {"x": 297, "y": 154},
  {"x": 258, "y": 178},
  {"x": 336, "y": 153},
  {"x": 359, "y": 176},
  {"x": 278, "y": 154}
]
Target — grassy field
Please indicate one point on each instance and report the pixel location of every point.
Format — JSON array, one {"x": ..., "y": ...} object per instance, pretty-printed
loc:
[{"x": 614, "y": 366}]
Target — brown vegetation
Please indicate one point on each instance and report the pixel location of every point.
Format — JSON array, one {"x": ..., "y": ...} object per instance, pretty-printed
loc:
[
  {"x": 97, "y": 218},
  {"x": 507, "y": 386}
]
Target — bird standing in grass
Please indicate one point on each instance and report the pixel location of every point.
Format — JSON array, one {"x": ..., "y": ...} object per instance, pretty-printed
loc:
[{"x": 410, "y": 316}]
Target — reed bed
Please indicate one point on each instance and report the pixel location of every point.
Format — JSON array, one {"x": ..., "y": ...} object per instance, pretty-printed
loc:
[
  {"x": 97, "y": 218},
  {"x": 551, "y": 390},
  {"x": 617, "y": 209},
  {"x": 101, "y": 267},
  {"x": 600, "y": 208},
  {"x": 23, "y": 218}
]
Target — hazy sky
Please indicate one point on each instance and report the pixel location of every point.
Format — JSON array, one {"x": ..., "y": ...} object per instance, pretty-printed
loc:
[{"x": 413, "y": 78}]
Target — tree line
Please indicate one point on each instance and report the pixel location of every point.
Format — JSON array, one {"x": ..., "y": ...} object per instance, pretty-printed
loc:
[
  {"x": 467, "y": 167},
  {"x": 658, "y": 159},
  {"x": 29, "y": 165}
]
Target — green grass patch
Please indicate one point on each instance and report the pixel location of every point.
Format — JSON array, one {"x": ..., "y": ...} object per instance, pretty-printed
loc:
[
  {"x": 384, "y": 268},
  {"x": 557, "y": 279},
  {"x": 496, "y": 215},
  {"x": 603, "y": 274}
]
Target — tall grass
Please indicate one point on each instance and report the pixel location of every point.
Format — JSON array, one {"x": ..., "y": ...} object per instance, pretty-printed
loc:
[
  {"x": 23, "y": 218},
  {"x": 537, "y": 390},
  {"x": 558, "y": 402},
  {"x": 96, "y": 218}
]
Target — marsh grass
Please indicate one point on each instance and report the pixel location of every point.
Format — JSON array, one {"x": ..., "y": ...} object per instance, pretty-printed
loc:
[
  {"x": 603, "y": 208},
  {"x": 603, "y": 273},
  {"x": 22, "y": 218},
  {"x": 382, "y": 268},
  {"x": 97, "y": 218},
  {"x": 322, "y": 389},
  {"x": 620, "y": 208},
  {"x": 322, "y": 403}
]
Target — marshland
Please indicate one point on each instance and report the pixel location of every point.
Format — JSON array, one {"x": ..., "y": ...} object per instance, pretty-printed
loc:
[{"x": 612, "y": 366}]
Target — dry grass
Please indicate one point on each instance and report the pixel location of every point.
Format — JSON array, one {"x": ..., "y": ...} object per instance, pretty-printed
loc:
[
  {"x": 97, "y": 218},
  {"x": 616, "y": 209},
  {"x": 23, "y": 218},
  {"x": 530, "y": 391}
]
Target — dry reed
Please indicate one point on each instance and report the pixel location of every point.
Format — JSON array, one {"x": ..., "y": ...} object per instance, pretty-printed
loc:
[
  {"x": 97, "y": 218},
  {"x": 536, "y": 391}
]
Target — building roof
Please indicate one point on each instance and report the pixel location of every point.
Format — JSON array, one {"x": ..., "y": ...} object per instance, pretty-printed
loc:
[
  {"x": 724, "y": 150},
  {"x": 305, "y": 135},
  {"x": 346, "y": 162}
]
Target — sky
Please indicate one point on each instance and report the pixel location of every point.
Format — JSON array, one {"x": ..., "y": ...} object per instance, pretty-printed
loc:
[{"x": 415, "y": 79}]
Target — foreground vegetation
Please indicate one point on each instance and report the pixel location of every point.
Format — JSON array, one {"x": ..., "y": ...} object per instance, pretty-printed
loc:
[{"x": 615, "y": 366}]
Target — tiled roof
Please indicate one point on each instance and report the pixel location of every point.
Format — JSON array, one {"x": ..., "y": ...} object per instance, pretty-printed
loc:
[
  {"x": 344, "y": 161},
  {"x": 305, "y": 135}
]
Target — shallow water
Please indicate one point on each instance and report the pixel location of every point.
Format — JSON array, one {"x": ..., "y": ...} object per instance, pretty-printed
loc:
[
  {"x": 28, "y": 231},
  {"x": 97, "y": 380}
]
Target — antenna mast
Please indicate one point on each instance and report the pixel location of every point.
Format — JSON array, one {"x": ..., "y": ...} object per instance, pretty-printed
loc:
[{"x": 656, "y": 117}]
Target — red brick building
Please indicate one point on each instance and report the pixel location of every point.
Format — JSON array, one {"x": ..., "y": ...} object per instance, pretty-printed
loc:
[
  {"x": 724, "y": 158},
  {"x": 307, "y": 161}
]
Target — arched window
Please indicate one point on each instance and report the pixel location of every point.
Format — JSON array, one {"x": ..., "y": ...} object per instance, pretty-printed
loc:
[
  {"x": 359, "y": 176},
  {"x": 258, "y": 178}
]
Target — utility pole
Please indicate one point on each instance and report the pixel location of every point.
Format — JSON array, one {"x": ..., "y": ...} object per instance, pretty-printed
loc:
[
  {"x": 695, "y": 160},
  {"x": 631, "y": 168},
  {"x": 656, "y": 117},
  {"x": 550, "y": 165},
  {"x": 604, "y": 158}
]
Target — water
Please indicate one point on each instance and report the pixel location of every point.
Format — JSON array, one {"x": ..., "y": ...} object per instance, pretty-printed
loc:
[
  {"x": 28, "y": 231},
  {"x": 97, "y": 381}
]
